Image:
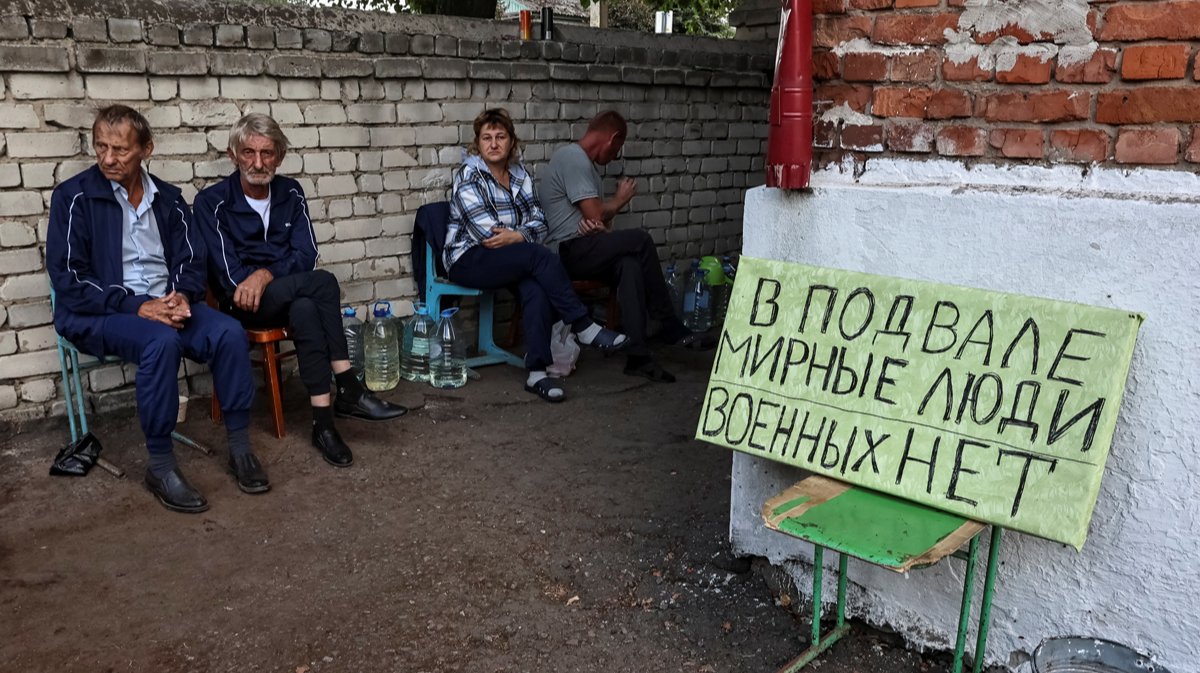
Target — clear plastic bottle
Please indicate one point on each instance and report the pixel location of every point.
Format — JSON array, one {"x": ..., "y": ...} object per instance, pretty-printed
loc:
[
  {"x": 675, "y": 286},
  {"x": 697, "y": 301},
  {"x": 352, "y": 327},
  {"x": 447, "y": 354},
  {"x": 381, "y": 349},
  {"x": 414, "y": 353}
]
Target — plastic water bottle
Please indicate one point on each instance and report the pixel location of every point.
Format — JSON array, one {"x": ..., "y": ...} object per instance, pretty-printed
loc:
[
  {"x": 414, "y": 353},
  {"x": 381, "y": 350},
  {"x": 697, "y": 301},
  {"x": 352, "y": 327},
  {"x": 447, "y": 354},
  {"x": 675, "y": 287}
]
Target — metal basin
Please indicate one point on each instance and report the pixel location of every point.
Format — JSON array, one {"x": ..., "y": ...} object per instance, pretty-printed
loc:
[{"x": 1090, "y": 655}]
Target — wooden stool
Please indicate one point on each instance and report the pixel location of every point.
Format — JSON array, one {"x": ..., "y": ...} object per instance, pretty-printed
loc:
[{"x": 271, "y": 358}]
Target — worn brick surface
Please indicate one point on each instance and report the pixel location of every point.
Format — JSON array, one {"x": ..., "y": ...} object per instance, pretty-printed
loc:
[
  {"x": 23, "y": 58},
  {"x": 1018, "y": 143},
  {"x": 1098, "y": 68},
  {"x": 1147, "y": 146},
  {"x": 1048, "y": 106},
  {"x": 1149, "y": 104},
  {"x": 909, "y": 29},
  {"x": 1079, "y": 145},
  {"x": 967, "y": 71},
  {"x": 1028, "y": 69},
  {"x": 100, "y": 59},
  {"x": 864, "y": 67},
  {"x": 1172, "y": 20},
  {"x": 961, "y": 141},
  {"x": 1154, "y": 61}
]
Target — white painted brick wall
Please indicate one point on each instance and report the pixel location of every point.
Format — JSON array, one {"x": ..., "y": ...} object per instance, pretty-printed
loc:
[
  {"x": 60, "y": 144},
  {"x": 368, "y": 151}
]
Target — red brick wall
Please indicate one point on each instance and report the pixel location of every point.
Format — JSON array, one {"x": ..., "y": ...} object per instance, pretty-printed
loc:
[{"x": 1136, "y": 100}]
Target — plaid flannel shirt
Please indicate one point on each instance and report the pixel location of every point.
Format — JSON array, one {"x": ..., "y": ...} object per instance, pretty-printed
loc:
[{"x": 479, "y": 203}]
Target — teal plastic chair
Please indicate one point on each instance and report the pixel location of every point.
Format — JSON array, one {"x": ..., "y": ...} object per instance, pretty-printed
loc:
[
  {"x": 71, "y": 366},
  {"x": 437, "y": 286}
]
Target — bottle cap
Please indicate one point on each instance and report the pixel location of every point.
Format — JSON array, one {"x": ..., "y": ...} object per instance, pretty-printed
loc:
[
  {"x": 349, "y": 312},
  {"x": 449, "y": 313},
  {"x": 385, "y": 311}
]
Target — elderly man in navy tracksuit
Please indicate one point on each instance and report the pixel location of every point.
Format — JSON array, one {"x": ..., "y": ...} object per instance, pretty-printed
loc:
[
  {"x": 128, "y": 269},
  {"x": 263, "y": 257}
]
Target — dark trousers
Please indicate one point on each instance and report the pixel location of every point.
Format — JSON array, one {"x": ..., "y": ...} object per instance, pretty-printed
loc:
[
  {"x": 208, "y": 336},
  {"x": 627, "y": 260},
  {"x": 309, "y": 303},
  {"x": 543, "y": 288}
]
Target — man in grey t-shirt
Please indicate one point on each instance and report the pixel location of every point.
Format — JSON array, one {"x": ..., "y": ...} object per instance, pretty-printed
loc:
[{"x": 579, "y": 220}]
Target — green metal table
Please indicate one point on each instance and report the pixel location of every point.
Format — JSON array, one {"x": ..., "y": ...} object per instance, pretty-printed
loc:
[{"x": 887, "y": 531}]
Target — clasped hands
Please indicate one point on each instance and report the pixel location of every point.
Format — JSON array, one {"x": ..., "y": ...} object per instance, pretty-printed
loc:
[
  {"x": 172, "y": 310},
  {"x": 501, "y": 237}
]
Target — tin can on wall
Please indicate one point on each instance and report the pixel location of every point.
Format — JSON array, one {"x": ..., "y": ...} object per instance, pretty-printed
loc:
[
  {"x": 547, "y": 23},
  {"x": 526, "y": 24}
]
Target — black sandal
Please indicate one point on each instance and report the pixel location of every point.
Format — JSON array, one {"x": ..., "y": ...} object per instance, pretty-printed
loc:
[
  {"x": 545, "y": 386},
  {"x": 606, "y": 341}
]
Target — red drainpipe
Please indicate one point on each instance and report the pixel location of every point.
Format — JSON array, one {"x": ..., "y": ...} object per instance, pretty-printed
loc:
[{"x": 790, "y": 137}]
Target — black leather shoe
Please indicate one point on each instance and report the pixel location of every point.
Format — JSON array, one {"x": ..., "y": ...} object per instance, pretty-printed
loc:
[
  {"x": 175, "y": 493},
  {"x": 332, "y": 448},
  {"x": 368, "y": 408},
  {"x": 249, "y": 473}
]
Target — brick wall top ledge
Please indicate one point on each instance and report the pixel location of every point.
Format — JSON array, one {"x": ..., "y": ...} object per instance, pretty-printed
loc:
[{"x": 361, "y": 30}]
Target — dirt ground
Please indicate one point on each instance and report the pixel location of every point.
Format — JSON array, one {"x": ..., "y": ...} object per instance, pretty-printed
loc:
[{"x": 485, "y": 531}]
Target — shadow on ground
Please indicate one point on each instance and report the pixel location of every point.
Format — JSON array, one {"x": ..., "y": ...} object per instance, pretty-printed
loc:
[{"x": 485, "y": 531}]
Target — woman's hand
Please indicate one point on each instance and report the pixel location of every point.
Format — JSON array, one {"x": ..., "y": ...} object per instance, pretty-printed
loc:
[{"x": 501, "y": 237}]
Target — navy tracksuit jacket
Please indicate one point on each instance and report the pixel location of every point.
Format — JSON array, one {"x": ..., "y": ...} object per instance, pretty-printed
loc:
[{"x": 238, "y": 246}]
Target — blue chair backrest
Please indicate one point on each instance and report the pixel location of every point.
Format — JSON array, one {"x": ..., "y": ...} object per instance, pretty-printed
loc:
[{"x": 429, "y": 230}]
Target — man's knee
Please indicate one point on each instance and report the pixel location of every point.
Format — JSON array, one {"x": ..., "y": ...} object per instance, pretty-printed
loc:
[
  {"x": 163, "y": 348},
  {"x": 227, "y": 332},
  {"x": 325, "y": 286},
  {"x": 304, "y": 315}
]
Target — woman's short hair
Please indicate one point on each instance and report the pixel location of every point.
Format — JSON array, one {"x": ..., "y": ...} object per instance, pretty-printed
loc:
[
  {"x": 496, "y": 116},
  {"x": 258, "y": 124},
  {"x": 115, "y": 115}
]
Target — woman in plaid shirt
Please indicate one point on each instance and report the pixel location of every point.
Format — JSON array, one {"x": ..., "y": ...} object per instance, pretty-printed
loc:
[{"x": 494, "y": 241}]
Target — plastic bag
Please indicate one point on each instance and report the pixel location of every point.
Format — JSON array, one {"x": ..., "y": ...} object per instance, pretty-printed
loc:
[{"x": 564, "y": 349}]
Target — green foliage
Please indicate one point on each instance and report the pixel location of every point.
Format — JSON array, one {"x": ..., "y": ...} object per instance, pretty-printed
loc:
[
  {"x": 700, "y": 17},
  {"x": 630, "y": 15}
]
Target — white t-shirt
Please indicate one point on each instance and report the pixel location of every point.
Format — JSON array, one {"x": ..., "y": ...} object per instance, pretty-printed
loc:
[{"x": 263, "y": 208}]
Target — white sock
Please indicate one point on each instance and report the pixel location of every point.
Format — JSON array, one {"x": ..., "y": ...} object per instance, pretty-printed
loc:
[
  {"x": 535, "y": 376},
  {"x": 587, "y": 335}
]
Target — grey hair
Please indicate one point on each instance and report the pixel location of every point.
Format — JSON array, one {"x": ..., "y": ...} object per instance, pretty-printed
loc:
[{"x": 258, "y": 124}]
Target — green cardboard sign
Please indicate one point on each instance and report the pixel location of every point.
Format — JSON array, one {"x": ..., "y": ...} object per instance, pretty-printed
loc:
[{"x": 994, "y": 406}]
